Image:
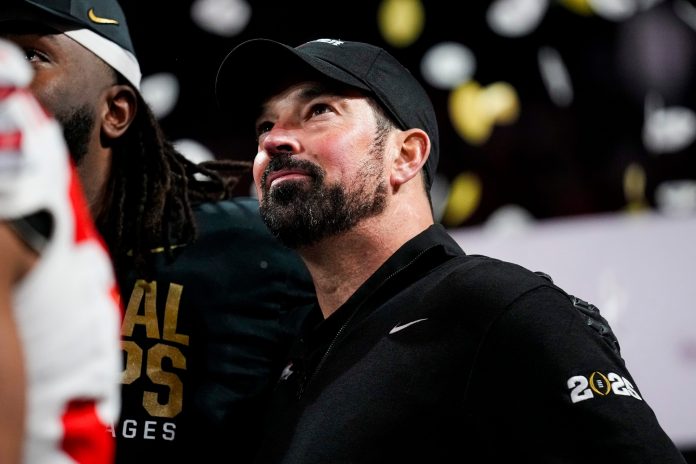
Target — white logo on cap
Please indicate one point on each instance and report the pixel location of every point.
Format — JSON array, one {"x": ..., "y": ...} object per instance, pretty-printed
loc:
[{"x": 330, "y": 41}]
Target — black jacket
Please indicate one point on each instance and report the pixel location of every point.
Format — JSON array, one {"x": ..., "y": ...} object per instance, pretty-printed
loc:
[{"x": 442, "y": 357}]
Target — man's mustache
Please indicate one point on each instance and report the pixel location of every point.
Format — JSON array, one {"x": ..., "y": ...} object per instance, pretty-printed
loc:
[{"x": 284, "y": 161}]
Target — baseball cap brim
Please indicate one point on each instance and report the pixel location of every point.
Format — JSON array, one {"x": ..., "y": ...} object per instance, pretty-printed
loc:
[{"x": 258, "y": 68}]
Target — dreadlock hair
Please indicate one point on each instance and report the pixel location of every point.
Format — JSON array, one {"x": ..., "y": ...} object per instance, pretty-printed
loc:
[{"x": 151, "y": 190}]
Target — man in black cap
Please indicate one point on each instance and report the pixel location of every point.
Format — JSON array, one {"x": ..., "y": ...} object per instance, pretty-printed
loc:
[
  {"x": 424, "y": 353},
  {"x": 207, "y": 291}
]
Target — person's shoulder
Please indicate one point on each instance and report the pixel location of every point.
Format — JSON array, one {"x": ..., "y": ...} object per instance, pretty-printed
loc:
[
  {"x": 493, "y": 281},
  {"x": 235, "y": 225},
  {"x": 231, "y": 207},
  {"x": 488, "y": 268},
  {"x": 240, "y": 213}
]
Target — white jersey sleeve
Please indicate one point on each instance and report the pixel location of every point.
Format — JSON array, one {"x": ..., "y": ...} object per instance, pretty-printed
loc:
[{"x": 66, "y": 307}]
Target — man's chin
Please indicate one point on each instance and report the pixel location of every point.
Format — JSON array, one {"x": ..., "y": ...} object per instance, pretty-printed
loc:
[
  {"x": 289, "y": 229},
  {"x": 288, "y": 192}
]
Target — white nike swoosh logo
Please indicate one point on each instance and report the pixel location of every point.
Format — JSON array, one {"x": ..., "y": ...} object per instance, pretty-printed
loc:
[{"x": 403, "y": 326}]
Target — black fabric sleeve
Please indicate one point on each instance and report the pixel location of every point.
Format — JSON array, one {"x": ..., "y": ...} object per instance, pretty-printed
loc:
[{"x": 560, "y": 392}]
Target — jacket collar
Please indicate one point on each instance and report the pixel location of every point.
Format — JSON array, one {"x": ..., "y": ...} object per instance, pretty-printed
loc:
[{"x": 423, "y": 252}]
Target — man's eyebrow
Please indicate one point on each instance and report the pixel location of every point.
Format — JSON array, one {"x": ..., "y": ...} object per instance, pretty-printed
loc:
[
  {"x": 307, "y": 94},
  {"x": 319, "y": 90}
]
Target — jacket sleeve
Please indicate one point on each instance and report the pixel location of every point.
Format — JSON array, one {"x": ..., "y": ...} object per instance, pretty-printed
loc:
[{"x": 557, "y": 387}]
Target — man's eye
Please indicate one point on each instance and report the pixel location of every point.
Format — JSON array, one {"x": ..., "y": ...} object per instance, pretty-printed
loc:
[
  {"x": 33, "y": 55},
  {"x": 263, "y": 128},
  {"x": 319, "y": 108}
]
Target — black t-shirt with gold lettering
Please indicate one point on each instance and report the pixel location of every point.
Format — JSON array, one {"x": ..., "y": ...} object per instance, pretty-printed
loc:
[{"x": 204, "y": 340}]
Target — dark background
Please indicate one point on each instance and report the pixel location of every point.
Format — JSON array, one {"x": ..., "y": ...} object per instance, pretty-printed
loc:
[{"x": 553, "y": 162}]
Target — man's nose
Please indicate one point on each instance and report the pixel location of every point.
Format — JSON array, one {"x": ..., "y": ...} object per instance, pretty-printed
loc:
[{"x": 280, "y": 140}]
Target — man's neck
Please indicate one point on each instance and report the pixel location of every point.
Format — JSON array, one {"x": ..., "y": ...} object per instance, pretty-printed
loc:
[
  {"x": 341, "y": 264},
  {"x": 94, "y": 171}
]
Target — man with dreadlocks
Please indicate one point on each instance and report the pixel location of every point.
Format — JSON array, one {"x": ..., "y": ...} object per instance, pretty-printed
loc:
[{"x": 211, "y": 299}]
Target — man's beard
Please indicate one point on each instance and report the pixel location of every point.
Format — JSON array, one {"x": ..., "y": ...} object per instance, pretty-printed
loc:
[
  {"x": 77, "y": 130},
  {"x": 302, "y": 213}
]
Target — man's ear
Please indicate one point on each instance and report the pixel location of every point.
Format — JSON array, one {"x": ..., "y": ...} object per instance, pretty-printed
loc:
[
  {"x": 119, "y": 111},
  {"x": 415, "y": 147}
]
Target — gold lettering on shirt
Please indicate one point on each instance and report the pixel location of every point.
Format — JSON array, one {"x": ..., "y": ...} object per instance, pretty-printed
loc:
[
  {"x": 171, "y": 316},
  {"x": 164, "y": 395},
  {"x": 134, "y": 359},
  {"x": 173, "y": 403},
  {"x": 132, "y": 317}
]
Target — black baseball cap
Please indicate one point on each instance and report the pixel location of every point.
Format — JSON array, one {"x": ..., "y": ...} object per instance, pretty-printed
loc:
[
  {"x": 88, "y": 22},
  {"x": 357, "y": 64}
]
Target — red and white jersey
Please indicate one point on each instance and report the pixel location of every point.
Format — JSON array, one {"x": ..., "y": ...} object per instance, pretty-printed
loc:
[{"x": 66, "y": 307}]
